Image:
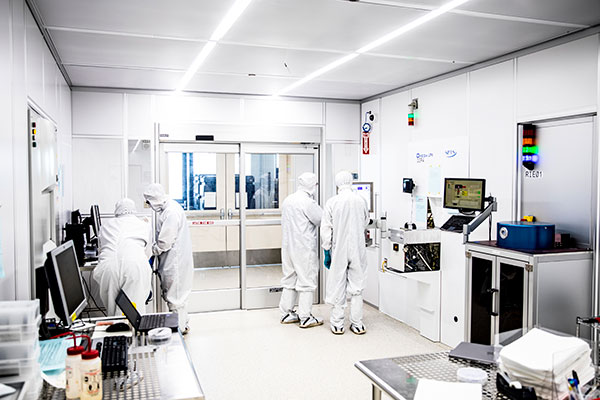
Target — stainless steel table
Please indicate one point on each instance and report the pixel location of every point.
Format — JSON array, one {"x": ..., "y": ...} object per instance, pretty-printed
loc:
[
  {"x": 399, "y": 377},
  {"x": 168, "y": 373}
]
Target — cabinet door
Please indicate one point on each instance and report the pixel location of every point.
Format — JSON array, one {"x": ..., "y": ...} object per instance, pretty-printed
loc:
[
  {"x": 482, "y": 277},
  {"x": 512, "y": 298}
]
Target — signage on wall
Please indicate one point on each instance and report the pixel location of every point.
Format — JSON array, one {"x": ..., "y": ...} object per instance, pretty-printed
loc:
[
  {"x": 366, "y": 143},
  {"x": 421, "y": 157},
  {"x": 450, "y": 153},
  {"x": 534, "y": 174}
]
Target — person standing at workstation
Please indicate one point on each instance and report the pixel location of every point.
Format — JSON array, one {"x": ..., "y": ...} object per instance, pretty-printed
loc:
[
  {"x": 123, "y": 260},
  {"x": 345, "y": 218},
  {"x": 300, "y": 220},
  {"x": 173, "y": 247}
]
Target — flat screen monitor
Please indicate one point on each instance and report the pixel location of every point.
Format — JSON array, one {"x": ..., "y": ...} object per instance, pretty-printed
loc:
[
  {"x": 66, "y": 283},
  {"x": 464, "y": 194},
  {"x": 365, "y": 189},
  {"x": 95, "y": 215}
]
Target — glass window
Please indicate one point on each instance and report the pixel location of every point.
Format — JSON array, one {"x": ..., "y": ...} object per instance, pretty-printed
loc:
[{"x": 193, "y": 180}]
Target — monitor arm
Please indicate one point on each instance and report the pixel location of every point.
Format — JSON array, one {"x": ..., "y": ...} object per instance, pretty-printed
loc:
[{"x": 485, "y": 214}]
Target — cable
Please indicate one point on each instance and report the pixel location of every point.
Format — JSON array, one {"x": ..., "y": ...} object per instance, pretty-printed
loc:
[{"x": 92, "y": 297}]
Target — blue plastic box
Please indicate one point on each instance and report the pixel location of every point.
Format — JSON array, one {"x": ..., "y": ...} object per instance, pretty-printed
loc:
[{"x": 522, "y": 235}]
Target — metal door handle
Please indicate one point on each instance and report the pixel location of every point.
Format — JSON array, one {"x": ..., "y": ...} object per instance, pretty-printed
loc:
[
  {"x": 230, "y": 214},
  {"x": 222, "y": 213}
]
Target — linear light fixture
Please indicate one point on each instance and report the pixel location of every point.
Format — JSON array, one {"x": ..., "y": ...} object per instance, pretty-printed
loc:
[
  {"x": 376, "y": 43},
  {"x": 232, "y": 15}
]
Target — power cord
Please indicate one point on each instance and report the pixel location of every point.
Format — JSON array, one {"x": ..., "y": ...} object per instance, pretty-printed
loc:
[{"x": 93, "y": 300}]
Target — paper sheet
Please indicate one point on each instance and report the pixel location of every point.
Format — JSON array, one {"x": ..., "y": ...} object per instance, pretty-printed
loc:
[
  {"x": 429, "y": 389},
  {"x": 6, "y": 390},
  {"x": 435, "y": 181},
  {"x": 421, "y": 209}
]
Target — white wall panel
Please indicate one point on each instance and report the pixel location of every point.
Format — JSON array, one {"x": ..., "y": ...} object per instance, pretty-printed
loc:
[
  {"x": 493, "y": 136},
  {"x": 194, "y": 108},
  {"x": 395, "y": 134},
  {"x": 140, "y": 124},
  {"x": 7, "y": 285},
  {"x": 342, "y": 122},
  {"x": 97, "y": 173},
  {"x": 558, "y": 81},
  {"x": 50, "y": 104},
  {"x": 442, "y": 109},
  {"x": 283, "y": 112},
  {"x": 96, "y": 113},
  {"x": 35, "y": 61}
]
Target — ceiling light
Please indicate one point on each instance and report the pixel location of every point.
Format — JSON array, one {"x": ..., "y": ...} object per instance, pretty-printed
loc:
[
  {"x": 384, "y": 39},
  {"x": 412, "y": 25},
  {"x": 232, "y": 15},
  {"x": 208, "y": 47},
  {"x": 318, "y": 72}
]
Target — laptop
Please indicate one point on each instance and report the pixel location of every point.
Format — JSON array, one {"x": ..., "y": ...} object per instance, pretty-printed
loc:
[
  {"x": 144, "y": 323},
  {"x": 480, "y": 353}
]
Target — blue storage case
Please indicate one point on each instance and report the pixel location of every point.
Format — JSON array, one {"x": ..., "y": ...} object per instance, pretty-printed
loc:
[{"x": 525, "y": 235}]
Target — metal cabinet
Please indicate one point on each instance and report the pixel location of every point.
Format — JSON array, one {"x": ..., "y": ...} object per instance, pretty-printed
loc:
[{"x": 509, "y": 290}]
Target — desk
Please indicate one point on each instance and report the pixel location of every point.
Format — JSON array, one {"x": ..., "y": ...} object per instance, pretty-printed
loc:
[
  {"x": 398, "y": 377},
  {"x": 174, "y": 372}
]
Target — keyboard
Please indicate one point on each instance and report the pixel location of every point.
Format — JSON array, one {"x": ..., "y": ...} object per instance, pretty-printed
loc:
[
  {"x": 153, "y": 321},
  {"x": 455, "y": 223},
  {"x": 114, "y": 353}
]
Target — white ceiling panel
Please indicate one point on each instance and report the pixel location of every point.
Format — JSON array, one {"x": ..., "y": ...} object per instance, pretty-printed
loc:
[
  {"x": 339, "y": 90},
  {"x": 97, "y": 49},
  {"x": 219, "y": 83},
  {"x": 586, "y": 12},
  {"x": 465, "y": 38},
  {"x": 266, "y": 61},
  {"x": 317, "y": 24},
  {"x": 123, "y": 78},
  {"x": 388, "y": 71},
  {"x": 180, "y": 18}
]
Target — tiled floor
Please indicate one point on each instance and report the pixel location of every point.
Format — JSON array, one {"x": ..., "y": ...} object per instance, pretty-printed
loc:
[{"x": 249, "y": 355}]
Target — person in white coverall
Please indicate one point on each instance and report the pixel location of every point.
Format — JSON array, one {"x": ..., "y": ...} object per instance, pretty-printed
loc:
[
  {"x": 345, "y": 218},
  {"x": 300, "y": 220},
  {"x": 123, "y": 260},
  {"x": 173, "y": 247}
]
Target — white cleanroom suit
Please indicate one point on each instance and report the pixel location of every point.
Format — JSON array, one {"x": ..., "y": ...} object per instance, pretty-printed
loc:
[
  {"x": 173, "y": 247},
  {"x": 345, "y": 218},
  {"x": 300, "y": 220},
  {"x": 123, "y": 260}
]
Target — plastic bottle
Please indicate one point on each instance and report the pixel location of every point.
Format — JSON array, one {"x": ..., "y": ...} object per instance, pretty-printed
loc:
[
  {"x": 91, "y": 375},
  {"x": 72, "y": 365}
]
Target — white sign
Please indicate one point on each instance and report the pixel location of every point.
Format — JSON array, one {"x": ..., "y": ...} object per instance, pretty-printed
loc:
[{"x": 534, "y": 174}]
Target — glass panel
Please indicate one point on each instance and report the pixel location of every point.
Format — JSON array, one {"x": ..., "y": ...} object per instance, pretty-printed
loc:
[
  {"x": 193, "y": 180},
  {"x": 481, "y": 300},
  {"x": 139, "y": 171},
  {"x": 270, "y": 178},
  {"x": 511, "y": 297}
]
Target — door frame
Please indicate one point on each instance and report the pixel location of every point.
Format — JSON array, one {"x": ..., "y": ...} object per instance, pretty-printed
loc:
[{"x": 247, "y": 298}]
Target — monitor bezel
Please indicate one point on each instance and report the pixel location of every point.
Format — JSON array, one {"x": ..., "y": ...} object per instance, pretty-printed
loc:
[
  {"x": 366, "y": 183},
  {"x": 68, "y": 318},
  {"x": 465, "y": 179},
  {"x": 96, "y": 220}
]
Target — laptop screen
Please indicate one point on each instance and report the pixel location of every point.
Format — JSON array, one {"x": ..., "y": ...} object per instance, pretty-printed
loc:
[{"x": 128, "y": 309}]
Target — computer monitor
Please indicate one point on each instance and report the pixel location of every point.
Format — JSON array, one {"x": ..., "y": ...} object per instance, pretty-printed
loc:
[
  {"x": 365, "y": 189},
  {"x": 95, "y": 216},
  {"x": 464, "y": 194},
  {"x": 65, "y": 282}
]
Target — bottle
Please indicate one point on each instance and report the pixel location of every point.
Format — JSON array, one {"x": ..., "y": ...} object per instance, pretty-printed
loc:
[
  {"x": 72, "y": 365},
  {"x": 91, "y": 375}
]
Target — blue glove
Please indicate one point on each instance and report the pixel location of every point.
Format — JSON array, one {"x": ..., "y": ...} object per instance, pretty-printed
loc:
[
  {"x": 151, "y": 261},
  {"x": 327, "y": 261}
]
